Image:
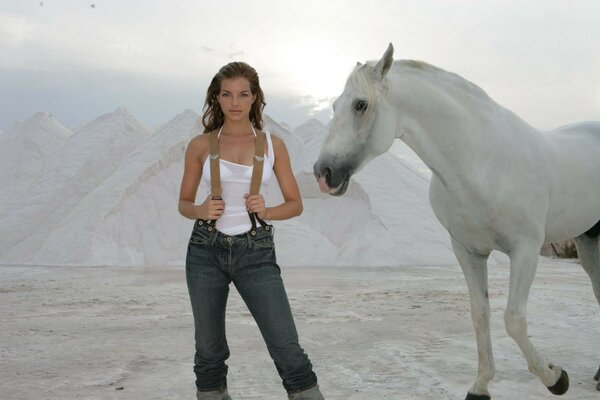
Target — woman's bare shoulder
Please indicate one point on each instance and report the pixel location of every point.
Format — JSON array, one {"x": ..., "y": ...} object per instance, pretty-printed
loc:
[
  {"x": 278, "y": 142},
  {"x": 199, "y": 145},
  {"x": 200, "y": 139}
]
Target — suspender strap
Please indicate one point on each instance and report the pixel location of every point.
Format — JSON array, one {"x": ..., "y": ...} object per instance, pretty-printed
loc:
[
  {"x": 259, "y": 160},
  {"x": 257, "y": 171},
  {"x": 215, "y": 172},
  {"x": 255, "y": 182}
]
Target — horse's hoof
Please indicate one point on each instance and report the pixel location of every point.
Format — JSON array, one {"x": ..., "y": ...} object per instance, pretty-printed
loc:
[
  {"x": 597, "y": 376},
  {"x": 598, "y": 387},
  {"x": 562, "y": 385},
  {"x": 471, "y": 396}
]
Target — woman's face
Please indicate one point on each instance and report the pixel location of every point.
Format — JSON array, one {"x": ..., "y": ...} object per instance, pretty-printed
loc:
[{"x": 235, "y": 98}]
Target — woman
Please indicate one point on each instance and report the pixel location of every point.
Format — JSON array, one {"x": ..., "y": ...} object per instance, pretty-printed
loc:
[{"x": 231, "y": 250}]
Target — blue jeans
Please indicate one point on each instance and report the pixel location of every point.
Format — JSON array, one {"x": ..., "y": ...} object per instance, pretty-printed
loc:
[{"x": 213, "y": 261}]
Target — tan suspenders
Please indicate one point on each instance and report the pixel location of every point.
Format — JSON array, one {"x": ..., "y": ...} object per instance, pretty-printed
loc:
[
  {"x": 215, "y": 174},
  {"x": 215, "y": 171}
]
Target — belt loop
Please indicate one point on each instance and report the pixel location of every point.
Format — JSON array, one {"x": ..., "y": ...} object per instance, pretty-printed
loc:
[{"x": 213, "y": 237}]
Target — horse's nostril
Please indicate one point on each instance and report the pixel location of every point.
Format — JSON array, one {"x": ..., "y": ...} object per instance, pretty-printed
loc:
[{"x": 322, "y": 170}]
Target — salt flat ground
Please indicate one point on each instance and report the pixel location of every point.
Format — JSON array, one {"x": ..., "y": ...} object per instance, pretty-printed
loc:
[{"x": 371, "y": 333}]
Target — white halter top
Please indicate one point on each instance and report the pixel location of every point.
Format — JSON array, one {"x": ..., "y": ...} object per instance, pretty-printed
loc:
[{"x": 235, "y": 182}]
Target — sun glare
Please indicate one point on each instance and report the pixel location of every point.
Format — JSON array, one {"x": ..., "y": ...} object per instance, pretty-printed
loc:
[{"x": 314, "y": 72}]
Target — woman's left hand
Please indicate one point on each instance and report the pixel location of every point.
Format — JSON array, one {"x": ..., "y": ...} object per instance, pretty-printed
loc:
[{"x": 256, "y": 204}]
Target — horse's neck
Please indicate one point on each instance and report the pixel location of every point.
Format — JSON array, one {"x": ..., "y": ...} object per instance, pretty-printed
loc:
[{"x": 454, "y": 131}]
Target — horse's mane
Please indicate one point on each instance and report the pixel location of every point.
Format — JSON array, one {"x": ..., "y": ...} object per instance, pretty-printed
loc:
[
  {"x": 446, "y": 77},
  {"x": 362, "y": 79}
]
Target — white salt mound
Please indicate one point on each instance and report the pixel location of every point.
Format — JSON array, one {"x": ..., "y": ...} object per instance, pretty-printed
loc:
[
  {"x": 86, "y": 159},
  {"x": 110, "y": 195},
  {"x": 27, "y": 150}
]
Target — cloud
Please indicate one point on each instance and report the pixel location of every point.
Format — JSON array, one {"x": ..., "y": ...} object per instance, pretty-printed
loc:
[
  {"x": 316, "y": 104},
  {"x": 15, "y": 29},
  {"x": 295, "y": 110},
  {"x": 512, "y": 49},
  {"x": 77, "y": 96},
  {"x": 236, "y": 55}
]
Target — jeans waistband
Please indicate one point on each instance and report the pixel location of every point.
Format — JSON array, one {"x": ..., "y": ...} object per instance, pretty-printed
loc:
[{"x": 222, "y": 239}]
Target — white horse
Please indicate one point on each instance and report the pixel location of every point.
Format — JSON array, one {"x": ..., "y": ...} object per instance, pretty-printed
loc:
[{"x": 497, "y": 184}]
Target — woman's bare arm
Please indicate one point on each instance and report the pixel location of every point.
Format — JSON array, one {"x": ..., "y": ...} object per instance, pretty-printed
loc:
[{"x": 195, "y": 153}]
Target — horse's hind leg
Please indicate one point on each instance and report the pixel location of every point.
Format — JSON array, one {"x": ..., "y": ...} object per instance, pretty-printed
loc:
[
  {"x": 589, "y": 256},
  {"x": 523, "y": 264},
  {"x": 474, "y": 267}
]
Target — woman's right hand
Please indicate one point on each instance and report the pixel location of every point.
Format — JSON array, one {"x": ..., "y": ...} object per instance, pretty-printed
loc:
[{"x": 211, "y": 208}]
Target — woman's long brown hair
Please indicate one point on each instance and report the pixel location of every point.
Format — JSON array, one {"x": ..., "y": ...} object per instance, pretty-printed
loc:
[{"x": 213, "y": 117}]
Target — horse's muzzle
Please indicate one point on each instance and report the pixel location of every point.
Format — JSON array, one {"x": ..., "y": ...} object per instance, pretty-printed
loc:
[{"x": 331, "y": 180}]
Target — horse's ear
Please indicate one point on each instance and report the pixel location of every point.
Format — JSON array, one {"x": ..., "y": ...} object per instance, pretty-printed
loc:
[
  {"x": 358, "y": 64},
  {"x": 383, "y": 66}
]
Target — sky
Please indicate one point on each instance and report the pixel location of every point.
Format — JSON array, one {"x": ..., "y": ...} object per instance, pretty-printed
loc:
[{"x": 80, "y": 59}]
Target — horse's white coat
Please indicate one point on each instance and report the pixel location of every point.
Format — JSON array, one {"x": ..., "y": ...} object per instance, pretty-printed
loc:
[{"x": 497, "y": 182}]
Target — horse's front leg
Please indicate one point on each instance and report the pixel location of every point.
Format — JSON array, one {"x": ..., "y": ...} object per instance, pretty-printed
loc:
[
  {"x": 474, "y": 267},
  {"x": 523, "y": 264}
]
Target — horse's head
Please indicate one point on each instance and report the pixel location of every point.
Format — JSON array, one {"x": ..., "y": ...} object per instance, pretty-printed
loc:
[{"x": 361, "y": 129}]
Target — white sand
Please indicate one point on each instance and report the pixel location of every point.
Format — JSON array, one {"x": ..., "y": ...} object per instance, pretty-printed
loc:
[{"x": 372, "y": 333}]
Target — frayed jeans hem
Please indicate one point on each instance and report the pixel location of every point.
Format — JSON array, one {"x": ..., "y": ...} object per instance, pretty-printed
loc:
[
  {"x": 214, "y": 389},
  {"x": 302, "y": 389}
]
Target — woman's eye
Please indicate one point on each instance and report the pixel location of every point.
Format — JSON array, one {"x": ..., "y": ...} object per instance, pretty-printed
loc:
[
  {"x": 244, "y": 94},
  {"x": 360, "y": 106}
]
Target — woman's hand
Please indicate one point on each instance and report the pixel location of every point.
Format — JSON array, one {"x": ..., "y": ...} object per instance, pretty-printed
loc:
[
  {"x": 256, "y": 204},
  {"x": 211, "y": 208}
]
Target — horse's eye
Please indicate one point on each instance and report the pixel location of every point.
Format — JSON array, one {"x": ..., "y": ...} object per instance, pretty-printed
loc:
[{"x": 360, "y": 106}]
